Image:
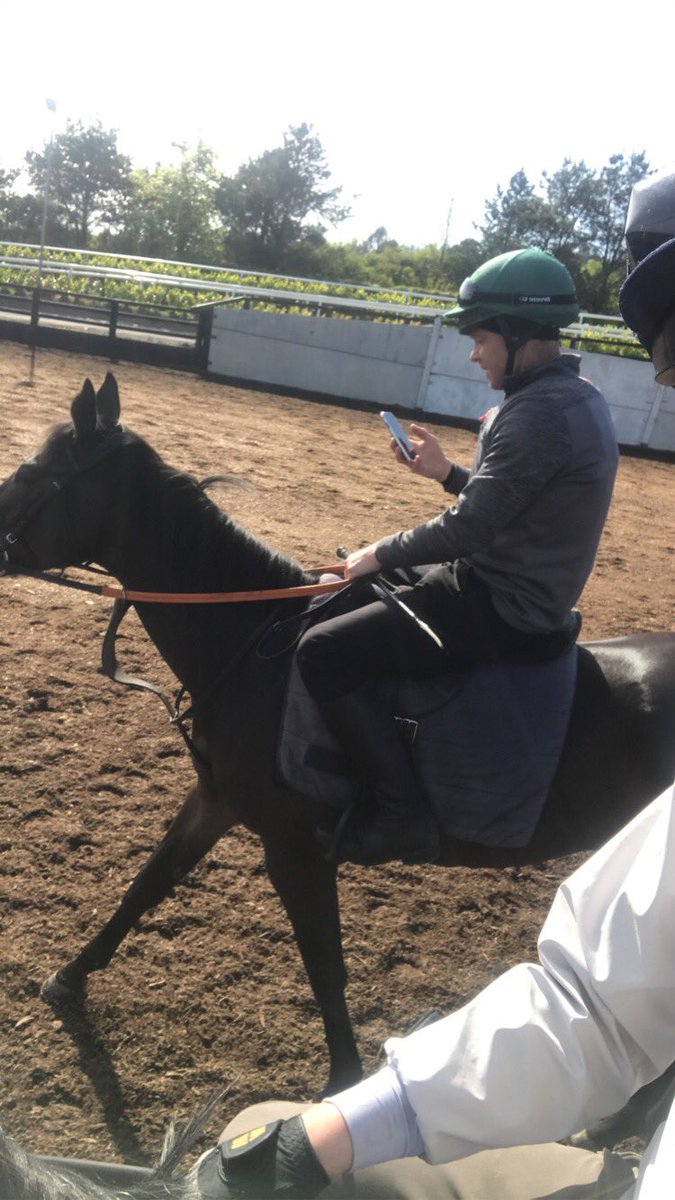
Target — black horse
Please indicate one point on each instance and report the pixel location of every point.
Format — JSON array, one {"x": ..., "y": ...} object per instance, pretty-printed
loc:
[{"x": 96, "y": 492}]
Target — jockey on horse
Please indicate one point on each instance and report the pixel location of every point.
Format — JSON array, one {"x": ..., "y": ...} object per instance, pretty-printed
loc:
[{"x": 512, "y": 555}]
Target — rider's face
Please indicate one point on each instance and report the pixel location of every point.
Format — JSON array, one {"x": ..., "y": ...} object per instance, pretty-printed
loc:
[{"x": 489, "y": 351}]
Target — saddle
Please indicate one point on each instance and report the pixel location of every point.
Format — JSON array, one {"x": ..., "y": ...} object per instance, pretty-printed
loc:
[{"x": 485, "y": 745}]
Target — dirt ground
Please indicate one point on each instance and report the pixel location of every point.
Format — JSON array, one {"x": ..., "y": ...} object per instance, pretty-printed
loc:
[{"x": 209, "y": 989}]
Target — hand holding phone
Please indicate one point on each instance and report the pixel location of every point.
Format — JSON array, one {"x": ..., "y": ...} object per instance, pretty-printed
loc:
[{"x": 397, "y": 432}]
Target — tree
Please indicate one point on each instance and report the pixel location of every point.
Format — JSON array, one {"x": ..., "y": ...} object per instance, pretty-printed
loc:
[
  {"x": 602, "y": 275},
  {"x": 377, "y": 240},
  {"x": 570, "y": 195},
  {"x": 170, "y": 212},
  {"x": 516, "y": 217},
  {"x": 20, "y": 216},
  {"x": 88, "y": 183},
  {"x": 580, "y": 218},
  {"x": 460, "y": 261},
  {"x": 268, "y": 205}
]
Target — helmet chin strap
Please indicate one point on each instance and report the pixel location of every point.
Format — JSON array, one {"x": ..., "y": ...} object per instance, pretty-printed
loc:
[{"x": 512, "y": 342}]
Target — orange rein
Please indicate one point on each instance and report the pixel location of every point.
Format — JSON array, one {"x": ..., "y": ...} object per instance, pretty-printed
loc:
[{"x": 308, "y": 589}]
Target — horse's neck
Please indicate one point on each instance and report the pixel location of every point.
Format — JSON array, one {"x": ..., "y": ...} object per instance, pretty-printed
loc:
[{"x": 182, "y": 543}]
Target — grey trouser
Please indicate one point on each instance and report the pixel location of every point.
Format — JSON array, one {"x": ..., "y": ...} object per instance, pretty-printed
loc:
[{"x": 544, "y": 1172}]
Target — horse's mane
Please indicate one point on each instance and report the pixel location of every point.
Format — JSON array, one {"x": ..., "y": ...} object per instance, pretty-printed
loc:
[
  {"x": 212, "y": 551},
  {"x": 207, "y": 538}
]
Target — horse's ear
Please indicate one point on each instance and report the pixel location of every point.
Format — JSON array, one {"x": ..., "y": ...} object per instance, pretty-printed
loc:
[
  {"x": 108, "y": 403},
  {"x": 83, "y": 412}
]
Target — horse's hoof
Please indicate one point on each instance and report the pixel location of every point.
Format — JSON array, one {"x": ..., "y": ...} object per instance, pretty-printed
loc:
[{"x": 57, "y": 991}]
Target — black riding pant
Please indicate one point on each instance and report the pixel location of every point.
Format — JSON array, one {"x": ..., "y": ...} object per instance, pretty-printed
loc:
[{"x": 340, "y": 654}]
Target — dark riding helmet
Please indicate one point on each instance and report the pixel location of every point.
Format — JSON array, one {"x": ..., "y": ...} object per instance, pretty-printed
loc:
[
  {"x": 651, "y": 216},
  {"x": 527, "y": 287},
  {"x": 647, "y": 298},
  {"x": 522, "y": 295}
]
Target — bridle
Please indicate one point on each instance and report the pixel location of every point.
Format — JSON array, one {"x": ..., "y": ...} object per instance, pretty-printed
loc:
[
  {"x": 112, "y": 441},
  {"x": 123, "y": 597}
]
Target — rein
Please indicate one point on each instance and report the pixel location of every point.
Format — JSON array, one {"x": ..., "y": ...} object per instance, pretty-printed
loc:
[{"x": 132, "y": 596}]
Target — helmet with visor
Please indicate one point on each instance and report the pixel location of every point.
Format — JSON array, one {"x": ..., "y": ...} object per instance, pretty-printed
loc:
[
  {"x": 526, "y": 288},
  {"x": 647, "y": 297},
  {"x": 522, "y": 295}
]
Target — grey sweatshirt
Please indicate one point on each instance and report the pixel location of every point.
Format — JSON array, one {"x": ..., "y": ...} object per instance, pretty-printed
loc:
[{"x": 532, "y": 508}]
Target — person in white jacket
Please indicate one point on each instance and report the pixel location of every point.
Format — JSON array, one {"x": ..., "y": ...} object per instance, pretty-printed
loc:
[{"x": 541, "y": 1052}]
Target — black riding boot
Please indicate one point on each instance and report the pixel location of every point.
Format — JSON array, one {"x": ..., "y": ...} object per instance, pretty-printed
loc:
[{"x": 398, "y": 824}]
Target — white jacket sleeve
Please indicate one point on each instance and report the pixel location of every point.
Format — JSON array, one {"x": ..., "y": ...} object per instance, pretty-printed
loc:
[{"x": 547, "y": 1049}]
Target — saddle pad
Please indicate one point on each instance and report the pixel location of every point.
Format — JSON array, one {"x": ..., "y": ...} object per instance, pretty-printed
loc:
[{"x": 486, "y": 746}]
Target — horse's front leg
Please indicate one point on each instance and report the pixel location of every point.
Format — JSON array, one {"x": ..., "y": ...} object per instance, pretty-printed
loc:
[
  {"x": 307, "y": 887},
  {"x": 200, "y": 823}
]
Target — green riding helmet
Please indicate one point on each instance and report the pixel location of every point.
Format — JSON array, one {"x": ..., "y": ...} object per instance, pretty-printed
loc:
[{"x": 529, "y": 287}]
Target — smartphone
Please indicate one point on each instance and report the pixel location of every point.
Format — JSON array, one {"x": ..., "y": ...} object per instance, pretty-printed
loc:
[{"x": 396, "y": 430}]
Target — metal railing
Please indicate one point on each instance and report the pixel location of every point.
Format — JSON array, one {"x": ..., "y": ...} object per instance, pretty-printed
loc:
[
  {"x": 589, "y": 329},
  {"x": 183, "y": 269}
]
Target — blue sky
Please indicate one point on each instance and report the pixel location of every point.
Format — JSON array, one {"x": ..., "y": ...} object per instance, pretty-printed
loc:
[{"x": 422, "y": 109}]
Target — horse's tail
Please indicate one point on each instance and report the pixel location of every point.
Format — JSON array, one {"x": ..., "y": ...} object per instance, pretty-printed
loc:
[{"x": 179, "y": 1141}]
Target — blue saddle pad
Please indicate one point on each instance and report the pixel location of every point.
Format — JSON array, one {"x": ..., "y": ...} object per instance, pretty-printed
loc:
[{"x": 485, "y": 746}]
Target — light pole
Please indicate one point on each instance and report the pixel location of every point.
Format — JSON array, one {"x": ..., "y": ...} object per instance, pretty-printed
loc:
[{"x": 51, "y": 105}]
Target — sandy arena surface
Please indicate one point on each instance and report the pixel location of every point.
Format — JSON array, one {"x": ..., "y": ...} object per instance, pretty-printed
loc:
[{"x": 209, "y": 988}]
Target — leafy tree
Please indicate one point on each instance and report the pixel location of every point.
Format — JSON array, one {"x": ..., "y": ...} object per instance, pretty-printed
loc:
[
  {"x": 88, "y": 182},
  {"x": 377, "y": 240},
  {"x": 599, "y": 287},
  {"x": 460, "y": 261},
  {"x": 570, "y": 195},
  {"x": 20, "y": 216},
  {"x": 170, "y": 212},
  {"x": 515, "y": 217},
  {"x": 580, "y": 218},
  {"x": 268, "y": 206}
]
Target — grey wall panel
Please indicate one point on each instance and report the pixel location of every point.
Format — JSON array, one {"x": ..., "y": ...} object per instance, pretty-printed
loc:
[
  {"x": 369, "y": 339},
  {"x": 358, "y": 360},
  {"x": 663, "y": 433},
  {"x": 414, "y": 368},
  {"x": 464, "y": 398}
]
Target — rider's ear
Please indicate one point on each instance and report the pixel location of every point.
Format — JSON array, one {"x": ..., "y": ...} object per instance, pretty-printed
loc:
[
  {"x": 108, "y": 403},
  {"x": 83, "y": 412}
]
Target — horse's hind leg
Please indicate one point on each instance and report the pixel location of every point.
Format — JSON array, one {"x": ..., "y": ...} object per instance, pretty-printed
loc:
[
  {"x": 200, "y": 823},
  {"x": 307, "y": 887}
]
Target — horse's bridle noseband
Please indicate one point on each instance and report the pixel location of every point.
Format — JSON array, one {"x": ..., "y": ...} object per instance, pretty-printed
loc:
[
  {"x": 112, "y": 440},
  {"x": 13, "y": 536}
]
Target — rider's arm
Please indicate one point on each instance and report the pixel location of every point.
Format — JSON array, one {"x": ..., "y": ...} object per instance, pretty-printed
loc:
[
  {"x": 528, "y": 444},
  {"x": 548, "y": 1048}
]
